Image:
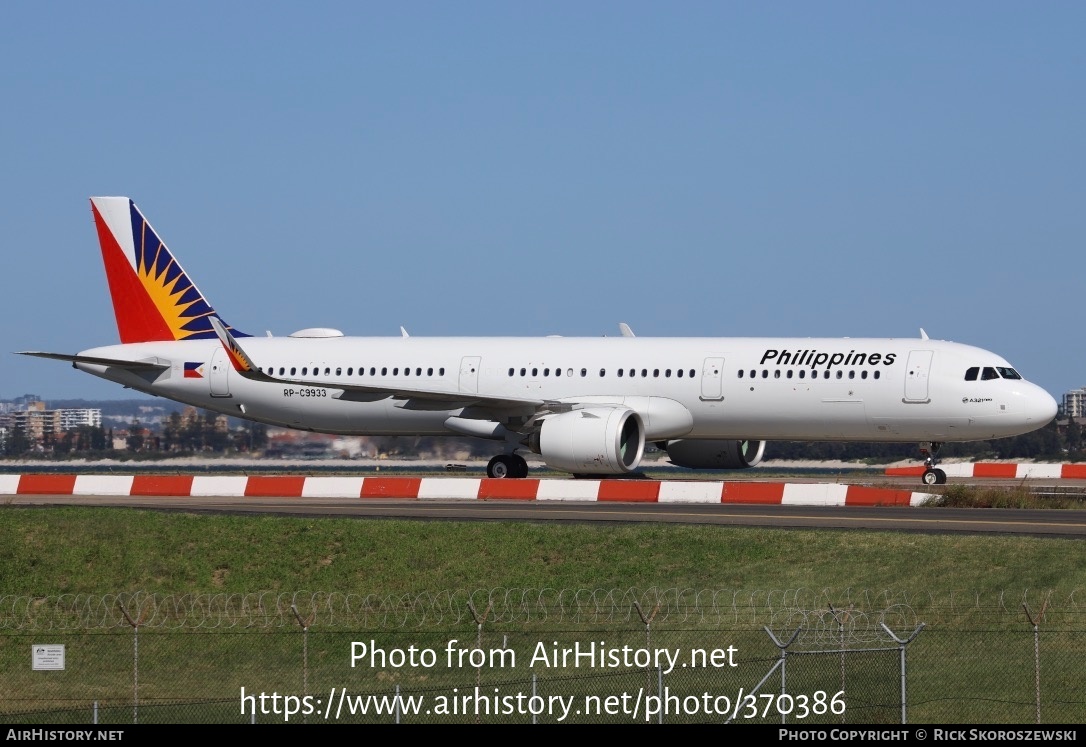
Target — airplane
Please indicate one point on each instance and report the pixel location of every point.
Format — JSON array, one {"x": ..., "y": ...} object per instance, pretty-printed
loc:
[{"x": 586, "y": 406}]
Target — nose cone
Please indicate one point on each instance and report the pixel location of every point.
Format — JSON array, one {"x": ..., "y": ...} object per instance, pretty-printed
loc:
[{"x": 1038, "y": 406}]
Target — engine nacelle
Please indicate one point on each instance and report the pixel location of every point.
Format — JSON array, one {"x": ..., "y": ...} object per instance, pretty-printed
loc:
[
  {"x": 705, "y": 454},
  {"x": 592, "y": 441}
]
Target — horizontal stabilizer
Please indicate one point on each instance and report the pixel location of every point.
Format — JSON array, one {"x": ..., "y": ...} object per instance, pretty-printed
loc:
[{"x": 148, "y": 365}]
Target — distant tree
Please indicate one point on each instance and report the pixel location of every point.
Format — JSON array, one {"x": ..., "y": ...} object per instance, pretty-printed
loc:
[
  {"x": 63, "y": 445},
  {"x": 17, "y": 443},
  {"x": 1073, "y": 436},
  {"x": 135, "y": 439}
]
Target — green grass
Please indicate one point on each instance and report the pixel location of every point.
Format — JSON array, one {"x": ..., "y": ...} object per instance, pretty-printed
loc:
[
  {"x": 972, "y": 664},
  {"x": 98, "y": 550}
]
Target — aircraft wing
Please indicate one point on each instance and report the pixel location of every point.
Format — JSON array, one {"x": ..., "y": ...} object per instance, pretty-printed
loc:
[
  {"x": 146, "y": 365},
  {"x": 245, "y": 366}
]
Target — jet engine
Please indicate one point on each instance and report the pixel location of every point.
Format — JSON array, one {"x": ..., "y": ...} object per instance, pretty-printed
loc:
[
  {"x": 592, "y": 441},
  {"x": 706, "y": 454}
]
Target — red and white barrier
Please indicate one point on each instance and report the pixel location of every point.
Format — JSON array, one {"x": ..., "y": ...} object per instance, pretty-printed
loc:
[
  {"x": 1003, "y": 470},
  {"x": 455, "y": 488}
]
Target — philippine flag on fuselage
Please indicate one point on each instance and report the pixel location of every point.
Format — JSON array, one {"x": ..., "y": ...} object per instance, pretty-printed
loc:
[{"x": 194, "y": 370}]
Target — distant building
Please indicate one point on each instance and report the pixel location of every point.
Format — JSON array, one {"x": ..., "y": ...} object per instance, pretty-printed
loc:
[
  {"x": 1074, "y": 403},
  {"x": 37, "y": 423}
]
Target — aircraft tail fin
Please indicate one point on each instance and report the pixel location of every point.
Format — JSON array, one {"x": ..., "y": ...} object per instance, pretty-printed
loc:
[{"x": 153, "y": 297}]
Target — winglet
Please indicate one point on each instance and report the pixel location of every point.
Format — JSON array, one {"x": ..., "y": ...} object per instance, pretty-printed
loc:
[{"x": 239, "y": 359}]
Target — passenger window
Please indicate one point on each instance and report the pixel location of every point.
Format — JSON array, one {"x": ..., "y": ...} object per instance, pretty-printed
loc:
[
  {"x": 644, "y": 373},
  {"x": 840, "y": 374},
  {"x": 510, "y": 372},
  {"x": 620, "y": 373},
  {"x": 826, "y": 375},
  {"x": 339, "y": 372},
  {"x": 691, "y": 373},
  {"x": 293, "y": 371},
  {"x": 789, "y": 374},
  {"x": 535, "y": 372},
  {"x": 384, "y": 370},
  {"x": 603, "y": 372},
  {"x": 584, "y": 372},
  {"x": 430, "y": 372},
  {"x": 863, "y": 374},
  {"x": 803, "y": 373},
  {"x": 777, "y": 374},
  {"x": 876, "y": 374},
  {"x": 765, "y": 373},
  {"x": 988, "y": 374},
  {"x": 740, "y": 373},
  {"x": 667, "y": 374},
  {"x": 679, "y": 373}
]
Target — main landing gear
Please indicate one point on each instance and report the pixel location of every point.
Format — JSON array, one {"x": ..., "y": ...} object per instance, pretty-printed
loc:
[
  {"x": 507, "y": 465},
  {"x": 932, "y": 476}
]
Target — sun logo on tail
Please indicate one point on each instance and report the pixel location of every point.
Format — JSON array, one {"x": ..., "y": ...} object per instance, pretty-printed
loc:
[
  {"x": 153, "y": 297},
  {"x": 181, "y": 304}
]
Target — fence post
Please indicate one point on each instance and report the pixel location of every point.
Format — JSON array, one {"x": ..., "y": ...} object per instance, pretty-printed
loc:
[
  {"x": 784, "y": 655},
  {"x": 305, "y": 650},
  {"x": 135, "y": 660},
  {"x": 1036, "y": 623},
  {"x": 901, "y": 647},
  {"x": 479, "y": 640},
  {"x": 648, "y": 637},
  {"x": 841, "y": 628}
]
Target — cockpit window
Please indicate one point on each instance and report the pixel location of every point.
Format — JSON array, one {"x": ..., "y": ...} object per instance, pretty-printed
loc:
[
  {"x": 971, "y": 373},
  {"x": 988, "y": 374},
  {"x": 1009, "y": 373}
]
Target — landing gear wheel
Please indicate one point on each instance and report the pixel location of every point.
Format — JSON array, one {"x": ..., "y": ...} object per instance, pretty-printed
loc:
[
  {"x": 520, "y": 467},
  {"x": 502, "y": 467},
  {"x": 934, "y": 477}
]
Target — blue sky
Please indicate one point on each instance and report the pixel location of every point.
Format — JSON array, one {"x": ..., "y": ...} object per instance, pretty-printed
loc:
[{"x": 720, "y": 169}]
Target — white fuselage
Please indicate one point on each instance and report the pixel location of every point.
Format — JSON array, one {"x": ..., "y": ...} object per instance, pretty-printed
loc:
[{"x": 708, "y": 388}]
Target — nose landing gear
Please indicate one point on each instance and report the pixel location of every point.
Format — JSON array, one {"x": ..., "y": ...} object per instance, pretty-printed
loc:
[{"x": 932, "y": 475}]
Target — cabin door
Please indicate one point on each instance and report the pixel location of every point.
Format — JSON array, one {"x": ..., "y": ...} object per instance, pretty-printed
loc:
[
  {"x": 712, "y": 374},
  {"x": 469, "y": 373},
  {"x": 916, "y": 376},
  {"x": 220, "y": 371}
]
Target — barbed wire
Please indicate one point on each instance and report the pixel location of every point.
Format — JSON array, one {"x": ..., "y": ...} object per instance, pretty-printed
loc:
[{"x": 826, "y": 610}]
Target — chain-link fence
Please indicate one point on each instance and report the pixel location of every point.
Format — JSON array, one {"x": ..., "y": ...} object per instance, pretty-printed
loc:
[{"x": 545, "y": 656}]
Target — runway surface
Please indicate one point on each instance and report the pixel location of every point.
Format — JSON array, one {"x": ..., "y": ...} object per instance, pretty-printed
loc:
[{"x": 1049, "y": 523}]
